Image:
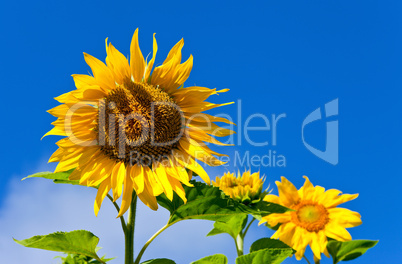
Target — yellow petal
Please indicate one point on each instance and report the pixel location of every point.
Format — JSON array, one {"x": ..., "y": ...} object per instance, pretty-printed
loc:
[
  {"x": 118, "y": 63},
  {"x": 137, "y": 62},
  {"x": 171, "y": 74},
  {"x": 82, "y": 81},
  {"x": 287, "y": 192},
  {"x": 194, "y": 149},
  {"x": 147, "y": 197},
  {"x": 127, "y": 196},
  {"x": 101, "y": 72},
  {"x": 93, "y": 173},
  {"x": 307, "y": 191},
  {"x": 199, "y": 134},
  {"x": 178, "y": 188},
  {"x": 179, "y": 172},
  {"x": 66, "y": 98},
  {"x": 203, "y": 106},
  {"x": 274, "y": 219},
  {"x": 333, "y": 197},
  {"x": 152, "y": 61},
  {"x": 56, "y": 131},
  {"x": 285, "y": 233},
  {"x": 162, "y": 177},
  {"x": 155, "y": 187},
  {"x": 188, "y": 162},
  {"x": 300, "y": 241},
  {"x": 104, "y": 188},
  {"x": 90, "y": 94},
  {"x": 202, "y": 117},
  {"x": 272, "y": 199},
  {"x": 316, "y": 245},
  {"x": 337, "y": 232},
  {"x": 118, "y": 175},
  {"x": 344, "y": 217},
  {"x": 175, "y": 51},
  {"x": 103, "y": 171},
  {"x": 137, "y": 176}
]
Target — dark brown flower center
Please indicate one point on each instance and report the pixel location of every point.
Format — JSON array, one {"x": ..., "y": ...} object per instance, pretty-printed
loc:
[{"x": 138, "y": 122}]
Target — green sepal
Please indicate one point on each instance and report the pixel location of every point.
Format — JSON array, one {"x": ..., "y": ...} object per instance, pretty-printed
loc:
[{"x": 81, "y": 259}]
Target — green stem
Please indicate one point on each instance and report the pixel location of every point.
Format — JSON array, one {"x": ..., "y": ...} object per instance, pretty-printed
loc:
[
  {"x": 123, "y": 222},
  {"x": 306, "y": 259},
  {"x": 129, "y": 233},
  {"x": 249, "y": 224},
  {"x": 239, "y": 241},
  {"x": 138, "y": 259}
]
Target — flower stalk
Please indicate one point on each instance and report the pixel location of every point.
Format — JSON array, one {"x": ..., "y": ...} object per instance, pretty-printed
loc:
[
  {"x": 239, "y": 245},
  {"x": 138, "y": 259},
  {"x": 129, "y": 232}
]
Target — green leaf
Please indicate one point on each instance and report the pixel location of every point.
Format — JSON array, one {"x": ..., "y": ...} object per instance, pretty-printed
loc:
[
  {"x": 214, "y": 259},
  {"x": 343, "y": 251},
  {"x": 159, "y": 261},
  {"x": 264, "y": 243},
  {"x": 76, "y": 242},
  {"x": 81, "y": 259},
  {"x": 269, "y": 208},
  {"x": 267, "y": 251},
  {"x": 58, "y": 177},
  {"x": 209, "y": 203},
  {"x": 233, "y": 226}
]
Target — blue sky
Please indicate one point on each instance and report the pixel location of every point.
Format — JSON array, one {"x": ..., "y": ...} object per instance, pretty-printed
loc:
[{"x": 277, "y": 57}]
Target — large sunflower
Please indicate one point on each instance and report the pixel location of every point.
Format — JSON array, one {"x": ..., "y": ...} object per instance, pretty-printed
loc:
[
  {"x": 315, "y": 217},
  {"x": 129, "y": 130}
]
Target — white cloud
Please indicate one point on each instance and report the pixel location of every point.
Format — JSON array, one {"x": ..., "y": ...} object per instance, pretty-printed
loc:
[{"x": 38, "y": 206}]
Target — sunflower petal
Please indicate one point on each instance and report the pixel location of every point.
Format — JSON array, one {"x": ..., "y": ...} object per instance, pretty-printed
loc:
[
  {"x": 118, "y": 63},
  {"x": 117, "y": 179},
  {"x": 137, "y": 62},
  {"x": 101, "y": 72},
  {"x": 287, "y": 192},
  {"x": 333, "y": 198},
  {"x": 127, "y": 196},
  {"x": 152, "y": 61},
  {"x": 188, "y": 162},
  {"x": 344, "y": 217},
  {"x": 137, "y": 176},
  {"x": 162, "y": 177},
  {"x": 103, "y": 190},
  {"x": 337, "y": 232}
]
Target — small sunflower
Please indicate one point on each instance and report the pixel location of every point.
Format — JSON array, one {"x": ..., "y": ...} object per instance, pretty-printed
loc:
[
  {"x": 315, "y": 217},
  {"x": 128, "y": 129},
  {"x": 246, "y": 187}
]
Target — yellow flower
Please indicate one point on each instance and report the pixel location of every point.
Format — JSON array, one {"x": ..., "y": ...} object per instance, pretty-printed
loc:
[
  {"x": 246, "y": 188},
  {"x": 315, "y": 217},
  {"x": 129, "y": 130}
]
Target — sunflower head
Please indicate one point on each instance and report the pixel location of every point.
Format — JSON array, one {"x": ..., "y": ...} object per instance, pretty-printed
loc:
[
  {"x": 315, "y": 217},
  {"x": 132, "y": 128},
  {"x": 245, "y": 188}
]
